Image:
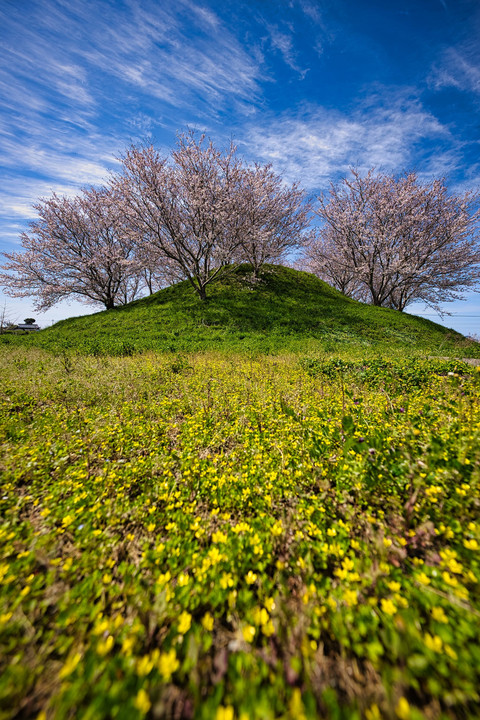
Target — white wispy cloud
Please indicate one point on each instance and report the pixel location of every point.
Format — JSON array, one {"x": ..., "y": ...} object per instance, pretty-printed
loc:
[
  {"x": 318, "y": 145},
  {"x": 153, "y": 48},
  {"x": 32, "y": 65},
  {"x": 457, "y": 68},
  {"x": 49, "y": 160},
  {"x": 62, "y": 76},
  {"x": 313, "y": 11},
  {"x": 60, "y": 72},
  {"x": 17, "y": 206},
  {"x": 284, "y": 43}
]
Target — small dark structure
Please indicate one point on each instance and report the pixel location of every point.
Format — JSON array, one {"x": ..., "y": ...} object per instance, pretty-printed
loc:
[{"x": 27, "y": 326}]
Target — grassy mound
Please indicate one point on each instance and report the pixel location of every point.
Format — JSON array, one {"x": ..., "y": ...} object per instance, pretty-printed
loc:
[{"x": 283, "y": 311}]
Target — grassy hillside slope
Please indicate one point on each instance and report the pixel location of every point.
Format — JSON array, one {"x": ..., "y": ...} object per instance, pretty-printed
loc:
[{"x": 284, "y": 311}]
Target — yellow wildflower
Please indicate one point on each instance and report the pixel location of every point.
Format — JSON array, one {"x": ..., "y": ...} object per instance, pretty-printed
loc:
[
  {"x": 70, "y": 665},
  {"x": 450, "y": 652},
  {"x": 225, "y": 713},
  {"x": 168, "y": 664},
  {"x": 215, "y": 556},
  {"x": 433, "y": 642},
  {"x": 350, "y": 597},
  {"x": 184, "y": 622},
  {"x": 248, "y": 633},
  {"x": 142, "y": 702},
  {"x": 268, "y": 628},
  {"x": 260, "y": 616},
  {"x": 393, "y": 585},
  {"x": 104, "y": 646},
  {"x": 276, "y": 529},
  {"x": 449, "y": 579},
  {"x": 401, "y": 601},
  {"x": 454, "y": 566},
  {"x": 118, "y": 621},
  {"x": 145, "y": 665},
  {"x": 402, "y": 709},
  {"x": 164, "y": 578},
  {"x": 127, "y": 645},
  {"x": 226, "y": 581},
  {"x": 373, "y": 712},
  {"x": 219, "y": 537},
  {"x": 269, "y": 604},
  {"x": 438, "y": 614},
  {"x": 240, "y": 527},
  {"x": 4, "y": 568},
  {"x": 424, "y": 579},
  {"x": 207, "y": 622},
  {"x": 296, "y": 706},
  {"x": 388, "y": 607}
]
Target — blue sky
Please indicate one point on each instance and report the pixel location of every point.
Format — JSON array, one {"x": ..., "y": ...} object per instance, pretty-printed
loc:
[{"x": 311, "y": 86}]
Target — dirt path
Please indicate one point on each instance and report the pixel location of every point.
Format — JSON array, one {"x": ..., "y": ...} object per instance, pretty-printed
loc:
[{"x": 470, "y": 361}]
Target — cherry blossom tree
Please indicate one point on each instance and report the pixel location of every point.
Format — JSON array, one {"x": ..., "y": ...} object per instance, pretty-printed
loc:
[
  {"x": 274, "y": 217},
  {"x": 191, "y": 215},
  {"x": 183, "y": 208},
  {"x": 78, "y": 247},
  {"x": 393, "y": 241},
  {"x": 321, "y": 257},
  {"x": 155, "y": 275},
  {"x": 201, "y": 210}
]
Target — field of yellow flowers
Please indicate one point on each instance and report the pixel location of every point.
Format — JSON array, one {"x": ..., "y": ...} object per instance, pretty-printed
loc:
[{"x": 234, "y": 538}]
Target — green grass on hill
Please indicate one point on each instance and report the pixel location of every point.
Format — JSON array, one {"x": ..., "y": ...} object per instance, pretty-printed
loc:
[{"x": 284, "y": 311}]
